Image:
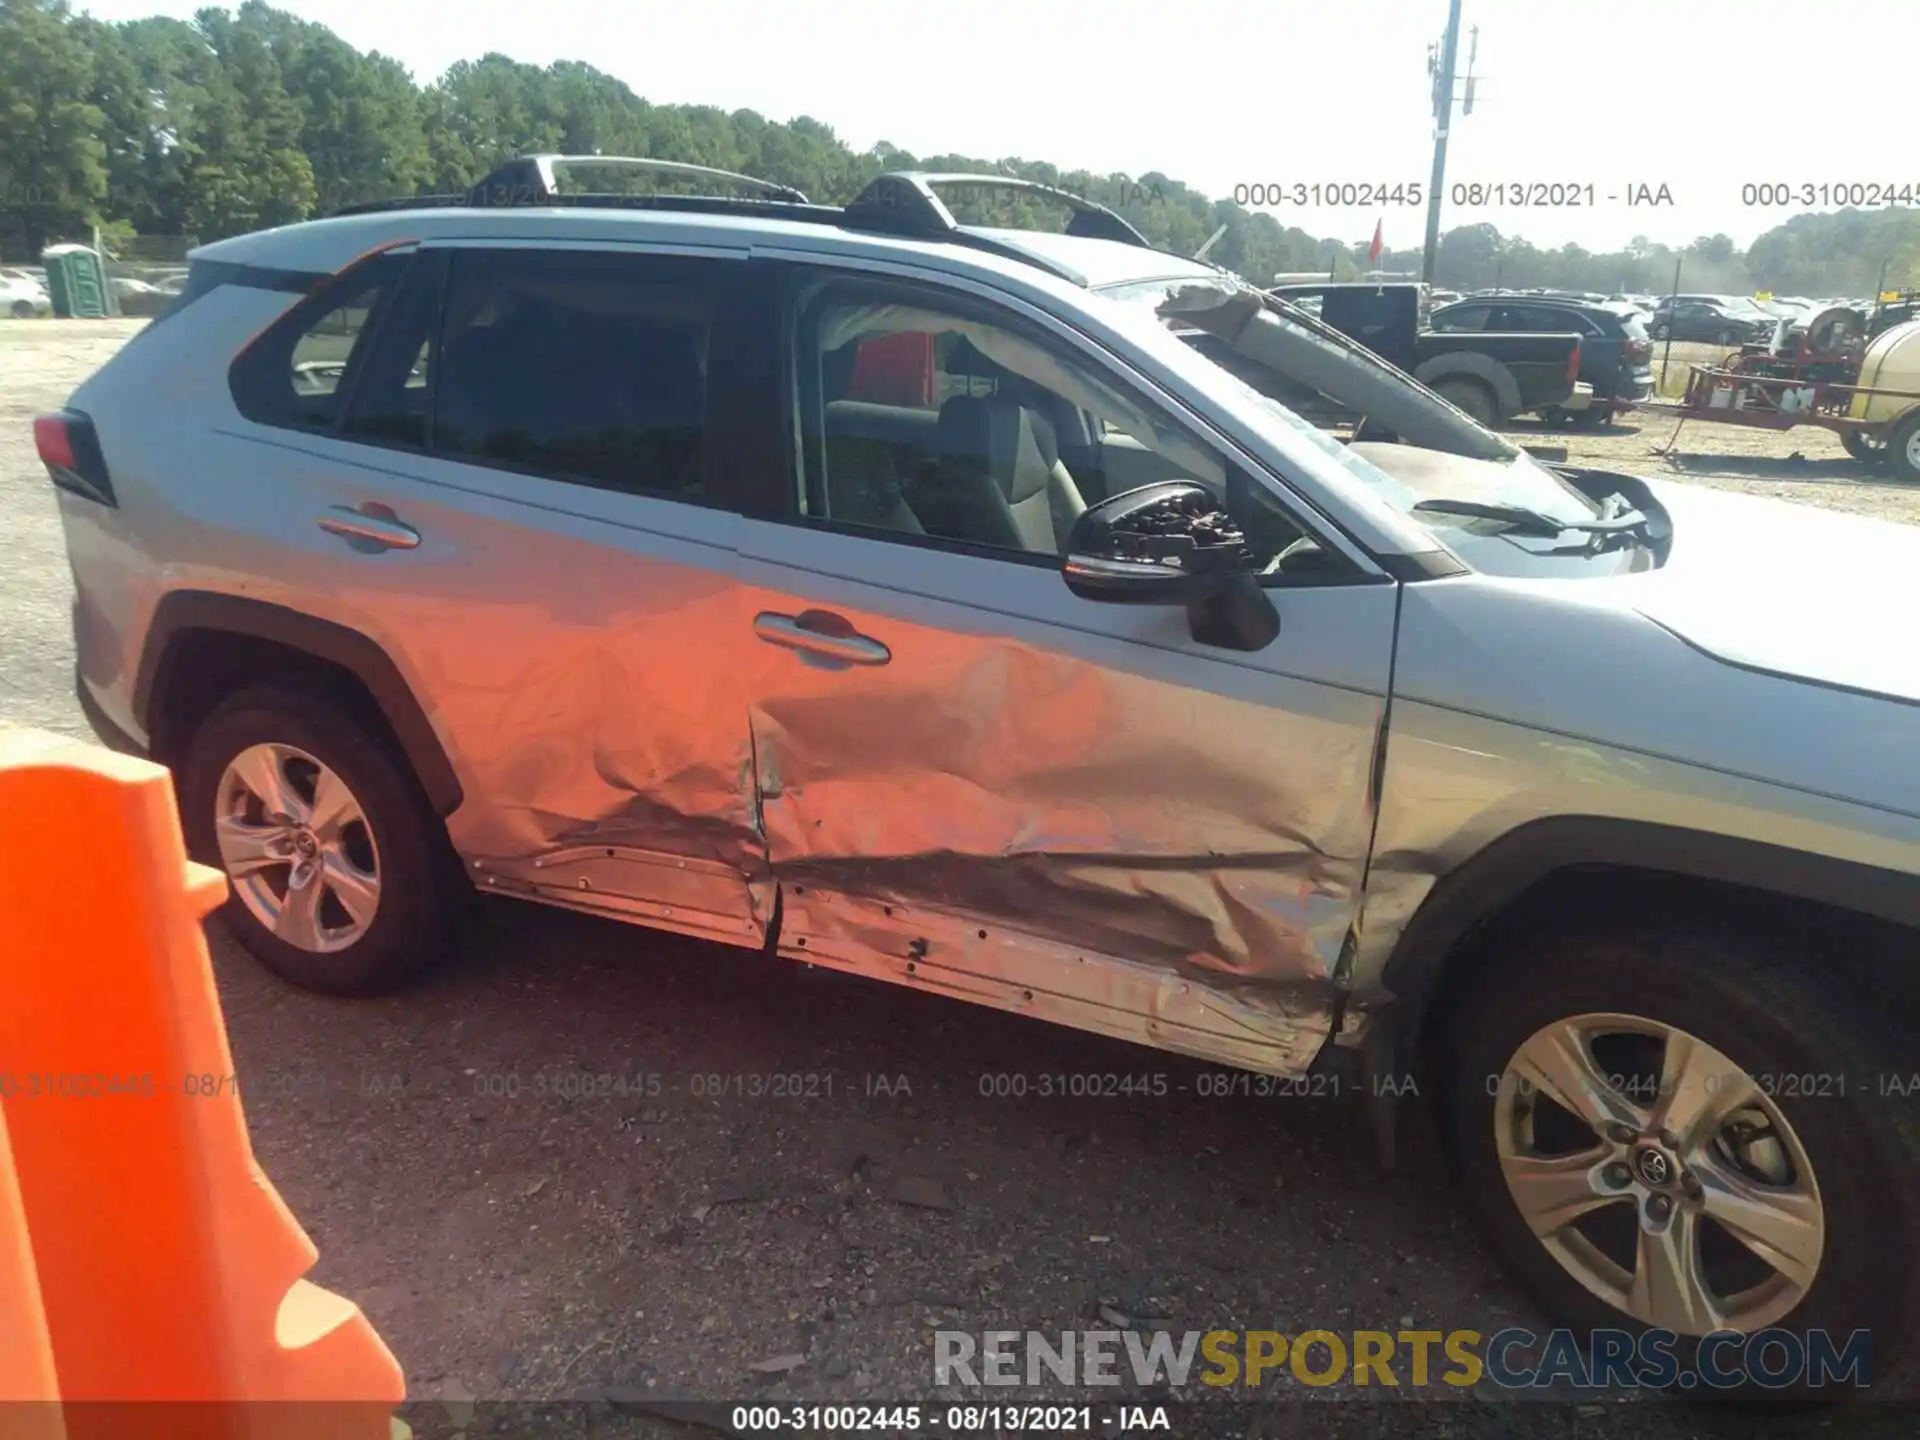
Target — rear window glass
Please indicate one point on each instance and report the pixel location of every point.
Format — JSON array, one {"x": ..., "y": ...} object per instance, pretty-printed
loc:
[
  {"x": 578, "y": 366},
  {"x": 296, "y": 374}
]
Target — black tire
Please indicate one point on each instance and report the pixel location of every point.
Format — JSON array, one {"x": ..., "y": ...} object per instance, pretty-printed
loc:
[
  {"x": 23, "y": 310},
  {"x": 421, "y": 902},
  {"x": 1470, "y": 397},
  {"x": 1903, "y": 450},
  {"x": 1725, "y": 337},
  {"x": 1862, "y": 449},
  {"x": 1592, "y": 418},
  {"x": 1660, "y": 332},
  {"x": 1772, "y": 1015}
]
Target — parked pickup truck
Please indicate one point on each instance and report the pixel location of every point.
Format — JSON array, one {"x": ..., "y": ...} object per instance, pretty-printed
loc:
[{"x": 1492, "y": 377}]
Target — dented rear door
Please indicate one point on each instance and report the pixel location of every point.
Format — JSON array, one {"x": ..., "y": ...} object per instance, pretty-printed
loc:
[
  {"x": 569, "y": 605},
  {"x": 972, "y": 781}
]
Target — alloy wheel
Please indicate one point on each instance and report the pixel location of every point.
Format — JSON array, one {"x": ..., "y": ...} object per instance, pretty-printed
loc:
[
  {"x": 1659, "y": 1174},
  {"x": 297, "y": 848}
]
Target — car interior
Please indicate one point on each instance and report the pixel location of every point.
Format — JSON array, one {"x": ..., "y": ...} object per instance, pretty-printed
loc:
[{"x": 919, "y": 430}]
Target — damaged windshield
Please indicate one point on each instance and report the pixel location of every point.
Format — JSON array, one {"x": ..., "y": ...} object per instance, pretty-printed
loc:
[{"x": 1320, "y": 383}]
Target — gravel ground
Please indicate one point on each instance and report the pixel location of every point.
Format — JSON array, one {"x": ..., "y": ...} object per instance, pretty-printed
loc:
[{"x": 513, "y": 1242}]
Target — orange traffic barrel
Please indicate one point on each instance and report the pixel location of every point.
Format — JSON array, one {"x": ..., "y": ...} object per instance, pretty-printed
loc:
[{"x": 166, "y": 1270}]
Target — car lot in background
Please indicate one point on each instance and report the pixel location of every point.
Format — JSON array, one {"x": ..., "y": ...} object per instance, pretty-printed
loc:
[
  {"x": 1709, "y": 320},
  {"x": 1491, "y": 377},
  {"x": 1616, "y": 354}
]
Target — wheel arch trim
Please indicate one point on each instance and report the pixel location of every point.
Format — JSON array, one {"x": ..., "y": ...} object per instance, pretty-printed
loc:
[
  {"x": 183, "y": 612},
  {"x": 1488, "y": 884}
]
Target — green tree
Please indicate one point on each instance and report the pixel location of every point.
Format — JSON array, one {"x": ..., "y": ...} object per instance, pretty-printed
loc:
[{"x": 53, "y": 161}]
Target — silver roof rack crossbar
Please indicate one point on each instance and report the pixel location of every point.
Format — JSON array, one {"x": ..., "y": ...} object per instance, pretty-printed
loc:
[
  {"x": 534, "y": 180},
  {"x": 906, "y": 202}
]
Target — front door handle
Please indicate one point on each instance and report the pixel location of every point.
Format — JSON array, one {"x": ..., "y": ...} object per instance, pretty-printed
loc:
[
  {"x": 374, "y": 525},
  {"x": 820, "y": 636}
]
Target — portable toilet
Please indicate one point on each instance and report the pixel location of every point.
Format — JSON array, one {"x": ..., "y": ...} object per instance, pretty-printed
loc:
[{"x": 76, "y": 282}]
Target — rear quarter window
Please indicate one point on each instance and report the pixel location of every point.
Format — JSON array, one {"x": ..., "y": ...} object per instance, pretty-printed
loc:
[{"x": 297, "y": 374}]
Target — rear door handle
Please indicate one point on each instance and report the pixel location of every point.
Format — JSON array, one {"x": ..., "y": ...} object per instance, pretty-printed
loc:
[
  {"x": 820, "y": 636},
  {"x": 373, "y": 525}
]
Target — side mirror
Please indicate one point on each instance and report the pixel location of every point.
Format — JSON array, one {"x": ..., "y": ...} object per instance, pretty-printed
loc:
[
  {"x": 1168, "y": 543},
  {"x": 1172, "y": 543}
]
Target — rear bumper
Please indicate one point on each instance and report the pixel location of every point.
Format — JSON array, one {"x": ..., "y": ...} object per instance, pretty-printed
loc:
[{"x": 108, "y": 733}]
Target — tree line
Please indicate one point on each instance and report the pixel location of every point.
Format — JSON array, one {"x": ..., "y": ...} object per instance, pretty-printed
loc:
[{"x": 237, "y": 120}]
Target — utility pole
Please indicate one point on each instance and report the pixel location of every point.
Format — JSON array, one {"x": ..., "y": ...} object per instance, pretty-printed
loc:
[{"x": 1442, "y": 66}]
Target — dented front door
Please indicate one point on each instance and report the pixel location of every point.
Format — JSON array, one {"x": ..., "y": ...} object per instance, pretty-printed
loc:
[{"x": 972, "y": 781}]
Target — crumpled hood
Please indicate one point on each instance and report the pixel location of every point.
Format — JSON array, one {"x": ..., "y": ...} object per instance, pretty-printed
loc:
[{"x": 1789, "y": 589}]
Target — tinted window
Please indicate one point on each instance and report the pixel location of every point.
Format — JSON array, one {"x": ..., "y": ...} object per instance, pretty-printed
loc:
[
  {"x": 297, "y": 373},
  {"x": 388, "y": 402},
  {"x": 1463, "y": 317},
  {"x": 583, "y": 366},
  {"x": 1539, "y": 319}
]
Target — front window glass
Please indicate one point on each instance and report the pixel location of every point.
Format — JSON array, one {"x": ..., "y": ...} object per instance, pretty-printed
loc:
[{"x": 924, "y": 418}]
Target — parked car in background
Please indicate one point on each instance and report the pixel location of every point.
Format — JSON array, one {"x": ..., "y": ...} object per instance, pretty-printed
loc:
[
  {"x": 1707, "y": 319},
  {"x": 138, "y": 297},
  {"x": 1616, "y": 355},
  {"x": 1492, "y": 377},
  {"x": 22, "y": 295}
]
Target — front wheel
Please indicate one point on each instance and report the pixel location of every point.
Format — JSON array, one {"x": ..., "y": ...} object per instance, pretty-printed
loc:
[
  {"x": 1676, "y": 1127},
  {"x": 1660, "y": 332},
  {"x": 23, "y": 310},
  {"x": 341, "y": 879}
]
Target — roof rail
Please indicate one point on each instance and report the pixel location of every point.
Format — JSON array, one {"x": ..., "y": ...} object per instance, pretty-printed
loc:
[
  {"x": 900, "y": 203},
  {"x": 904, "y": 202},
  {"x": 531, "y": 179}
]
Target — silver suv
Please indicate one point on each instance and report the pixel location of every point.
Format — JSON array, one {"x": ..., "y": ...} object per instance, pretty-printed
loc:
[{"x": 1002, "y": 614}]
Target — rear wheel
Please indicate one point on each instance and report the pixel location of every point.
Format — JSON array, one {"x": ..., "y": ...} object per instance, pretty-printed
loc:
[
  {"x": 1903, "y": 449},
  {"x": 1660, "y": 332},
  {"x": 340, "y": 874},
  {"x": 1674, "y": 1127},
  {"x": 1470, "y": 397},
  {"x": 22, "y": 310}
]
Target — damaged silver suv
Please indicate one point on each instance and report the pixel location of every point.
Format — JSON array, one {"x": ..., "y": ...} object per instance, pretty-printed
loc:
[{"x": 1053, "y": 623}]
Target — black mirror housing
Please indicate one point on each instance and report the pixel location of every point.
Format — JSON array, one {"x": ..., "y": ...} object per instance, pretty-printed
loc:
[
  {"x": 1168, "y": 543},
  {"x": 1172, "y": 543}
]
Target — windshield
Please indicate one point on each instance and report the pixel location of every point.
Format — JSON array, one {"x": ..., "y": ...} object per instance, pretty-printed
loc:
[{"x": 1317, "y": 383}]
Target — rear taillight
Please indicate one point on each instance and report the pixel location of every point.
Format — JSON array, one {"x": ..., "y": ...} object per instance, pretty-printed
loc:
[
  {"x": 1639, "y": 349},
  {"x": 1573, "y": 364},
  {"x": 70, "y": 450}
]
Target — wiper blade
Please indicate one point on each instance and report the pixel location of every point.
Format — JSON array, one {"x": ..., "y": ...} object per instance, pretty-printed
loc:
[{"x": 1522, "y": 520}]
